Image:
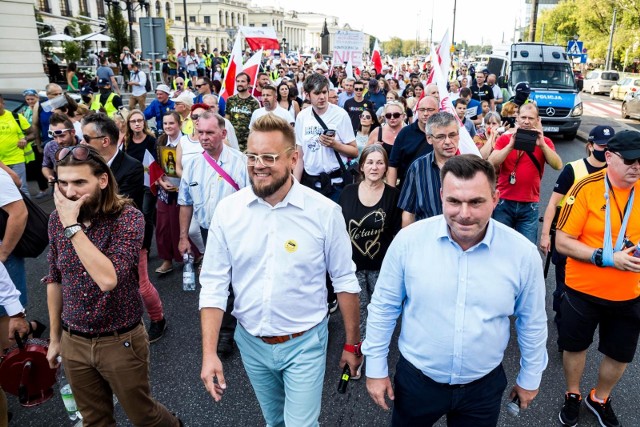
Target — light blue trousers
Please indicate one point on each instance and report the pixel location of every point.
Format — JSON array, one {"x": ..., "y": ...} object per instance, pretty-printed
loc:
[{"x": 287, "y": 378}]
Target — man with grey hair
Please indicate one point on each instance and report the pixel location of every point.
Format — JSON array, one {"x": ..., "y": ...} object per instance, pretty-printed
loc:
[
  {"x": 420, "y": 196},
  {"x": 212, "y": 101},
  {"x": 347, "y": 93}
]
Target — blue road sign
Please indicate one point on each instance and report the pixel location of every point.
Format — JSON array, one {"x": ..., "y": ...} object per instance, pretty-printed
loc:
[{"x": 574, "y": 47}]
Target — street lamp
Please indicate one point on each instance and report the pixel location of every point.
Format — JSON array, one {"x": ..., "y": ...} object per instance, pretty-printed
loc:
[
  {"x": 130, "y": 6},
  {"x": 284, "y": 46}
]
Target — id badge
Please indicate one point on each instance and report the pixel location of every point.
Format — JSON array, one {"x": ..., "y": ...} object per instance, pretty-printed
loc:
[{"x": 512, "y": 178}]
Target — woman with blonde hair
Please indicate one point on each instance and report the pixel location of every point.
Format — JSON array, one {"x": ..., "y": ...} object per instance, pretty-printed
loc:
[{"x": 394, "y": 122}]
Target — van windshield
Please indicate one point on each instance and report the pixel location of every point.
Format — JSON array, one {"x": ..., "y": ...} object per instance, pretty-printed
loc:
[{"x": 543, "y": 75}]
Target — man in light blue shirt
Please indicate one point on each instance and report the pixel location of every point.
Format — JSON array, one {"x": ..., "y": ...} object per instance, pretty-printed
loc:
[{"x": 456, "y": 278}]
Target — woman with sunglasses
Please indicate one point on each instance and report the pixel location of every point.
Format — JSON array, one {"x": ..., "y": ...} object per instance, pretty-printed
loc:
[
  {"x": 368, "y": 122},
  {"x": 120, "y": 118},
  {"x": 33, "y": 160},
  {"x": 167, "y": 218},
  {"x": 287, "y": 100},
  {"x": 394, "y": 122},
  {"x": 370, "y": 210}
]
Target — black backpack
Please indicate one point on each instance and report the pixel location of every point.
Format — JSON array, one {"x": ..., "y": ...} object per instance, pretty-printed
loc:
[
  {"x": 147, "y": 85},
  {"x": 35, "y": 238}
]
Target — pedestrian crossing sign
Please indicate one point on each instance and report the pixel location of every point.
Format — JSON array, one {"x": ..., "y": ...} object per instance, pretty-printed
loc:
[{"x": 574, "y": 47}]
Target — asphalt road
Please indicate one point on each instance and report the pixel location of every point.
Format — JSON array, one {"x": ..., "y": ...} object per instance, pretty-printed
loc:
[{"x": 176, "y": 359}]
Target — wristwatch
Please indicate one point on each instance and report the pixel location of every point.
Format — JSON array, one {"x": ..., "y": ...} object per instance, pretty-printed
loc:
[
  {"x": 596, "y": 258},
  {"x": 71, "y": 230},
  {"x": 20, "y": 314},
  {"x": 355, "y": 349}
]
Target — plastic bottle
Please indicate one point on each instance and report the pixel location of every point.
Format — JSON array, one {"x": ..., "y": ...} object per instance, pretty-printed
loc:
[
  {"x": 67, "y": 396},
  {"x": 52, "y": 104},
  {"x": 188, "y": 274},
  {"x": 513, "y": 407}
]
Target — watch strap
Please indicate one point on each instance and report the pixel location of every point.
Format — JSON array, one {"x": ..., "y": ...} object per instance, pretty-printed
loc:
[{"x": 355, "y": 349}]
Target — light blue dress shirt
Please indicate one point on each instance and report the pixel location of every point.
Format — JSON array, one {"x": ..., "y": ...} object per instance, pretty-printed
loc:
[{"x": 456, "y": 304}]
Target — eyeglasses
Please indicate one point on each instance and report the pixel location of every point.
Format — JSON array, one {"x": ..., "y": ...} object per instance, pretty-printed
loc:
[
  {"x": 56, "y": 133},
  {"x": 359, "y": 89},
  {"x": 365, "y": 117},
  {"x": 199, "y": 86},
  {"x": 442, "y": 137},
  {"x": 134, "y": 121},
  {"x": 627, "y": 162},
  {"x": 195, "y": 116},
  {"x": 78, "y": 152},
  {"x": 394, "y": 115},
  {"x": 428, "y": 110},
  {"x": 88, "y": 138},
  {"x": 267, "y": 160}
]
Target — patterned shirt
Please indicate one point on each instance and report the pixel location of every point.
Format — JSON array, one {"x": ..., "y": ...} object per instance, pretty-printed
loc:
[
  {"x": 85, "y": 307},
  {"x": 239, "y": 111},
  {"x": 421, "y": 189}
]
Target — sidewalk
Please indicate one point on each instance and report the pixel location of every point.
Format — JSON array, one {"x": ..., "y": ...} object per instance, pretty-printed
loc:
[{"x": 589, "y": 122}]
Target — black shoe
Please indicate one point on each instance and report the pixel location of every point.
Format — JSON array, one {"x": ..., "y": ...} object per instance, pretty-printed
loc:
[
  {"x": 156, "y": 330},
  {"x": 570, "y": 410},
  {"x": 225, "y": 346},
  {"x": 603, "y": 411}
]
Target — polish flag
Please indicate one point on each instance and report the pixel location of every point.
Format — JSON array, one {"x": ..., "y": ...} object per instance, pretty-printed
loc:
[
  {"x": 466, "y": 145},
  {"x": 252, "y": 66},
  {"x": 233, "y": 69},
  {"x": 261, "y": 37},
  {"x": 152, "y": 172},
  {"x": 376, "y": 58}
]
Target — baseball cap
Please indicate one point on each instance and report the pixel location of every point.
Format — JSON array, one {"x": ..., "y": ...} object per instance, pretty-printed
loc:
[
  {"x": 601, "y": 134},
  {"x": 523, "y": 87},
  {"x": 485, "y": 71},
  {"x": 163, "y": 88},
  {"x": 86, "y": 90},
  {"x": 184, "y": 98},
  {"x": 104, "y": 82},
  {"x": 31, "y": 92},
  {"x": 626, "y": 143}
]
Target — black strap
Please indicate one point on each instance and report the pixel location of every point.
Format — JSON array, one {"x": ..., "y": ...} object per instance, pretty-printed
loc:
[
  {"x": 380, "y": 134},
  {"x": 535, "y": 162},
  {"x": 17, "y": 119},
  {"x": 343, "y": 168}
]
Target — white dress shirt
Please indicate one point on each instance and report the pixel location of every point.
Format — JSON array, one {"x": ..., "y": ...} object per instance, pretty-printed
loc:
[
  {"x": 9, "y": 295},
  {"x": 277, "y": 258}
]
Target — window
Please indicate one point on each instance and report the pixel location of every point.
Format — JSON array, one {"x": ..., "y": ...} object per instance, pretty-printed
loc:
[
  {"x": 84, "y": 9},
  {"x": 192, "y": 19},
  {"x": 252, "y": 25},
  {"x": 168, "y": 10},
  {"x": 100, "y": 8},
  {"x": 207, "y": 20},
  {"x": 178, "y": 18},
  {"x": 265, "y": 25},
  {"x": 158, "y": 8},
  {"x": 64, "y": 8},
  {"x": 43, "y": 6}
]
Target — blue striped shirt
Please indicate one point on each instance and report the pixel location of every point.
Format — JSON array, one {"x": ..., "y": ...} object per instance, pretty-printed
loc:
[
  {"x": 421, "y": 188},
  {"x": 202, "y": 187}
]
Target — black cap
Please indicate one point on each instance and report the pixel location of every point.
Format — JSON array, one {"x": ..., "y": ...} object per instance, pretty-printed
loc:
[
  {"x": 626, "y": 143},
  {"x": 86, "y": 90},
  {"x": 485, "y": 71},
  {"x": 523, "y": 87},
  {"x": 104, "y": 82},
  {"x": 601, "y": 134}
]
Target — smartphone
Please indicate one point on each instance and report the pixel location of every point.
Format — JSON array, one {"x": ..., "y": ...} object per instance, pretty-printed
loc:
[
  {"x": 511, "y": 121},
  {"x": 329, "y": 132},
  {"x": 526, "y": 140}
]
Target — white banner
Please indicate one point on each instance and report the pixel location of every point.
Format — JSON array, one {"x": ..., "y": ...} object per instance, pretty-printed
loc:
[{"x": 348, "y": 46}]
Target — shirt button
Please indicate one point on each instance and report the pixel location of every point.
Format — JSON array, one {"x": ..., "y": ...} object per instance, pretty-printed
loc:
[
  {"x": 84, "y": 273},
  {"x": 85, "y": 295},
  {"x": 88, "y": 312}
]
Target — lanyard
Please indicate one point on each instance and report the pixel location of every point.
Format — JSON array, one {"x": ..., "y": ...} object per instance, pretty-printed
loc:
[{"x": 609, "y": 249}]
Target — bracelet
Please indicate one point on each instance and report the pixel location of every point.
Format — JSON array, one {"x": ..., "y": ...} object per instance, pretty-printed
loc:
[
  {"x": 596, "y": 258},
  {"x": 355, "y": 349},
  {"x": 73, "y": 225}
]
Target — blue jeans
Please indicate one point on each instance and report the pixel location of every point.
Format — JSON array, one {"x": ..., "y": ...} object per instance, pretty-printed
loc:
[
  {"x": 521, "y": 216},
  {"x": 287, "y": 378},
  {"x": 21, "y": 170},
  {"x": 420, "y": 401},
  {"x": 18, "y": 275}
]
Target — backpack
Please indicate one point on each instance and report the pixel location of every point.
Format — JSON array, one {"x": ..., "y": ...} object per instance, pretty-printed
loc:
[
  {"x": 147, "y": 85},
  {"x": 35, "y": 238}
]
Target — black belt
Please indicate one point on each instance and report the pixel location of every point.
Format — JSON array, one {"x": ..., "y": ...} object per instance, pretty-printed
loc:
[
  {"x": 101, "y": 334},
  {"x": 333, "y": 174}
]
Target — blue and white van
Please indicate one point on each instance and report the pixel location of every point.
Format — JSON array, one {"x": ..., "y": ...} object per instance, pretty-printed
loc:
[{"x": 548, "y": 71}]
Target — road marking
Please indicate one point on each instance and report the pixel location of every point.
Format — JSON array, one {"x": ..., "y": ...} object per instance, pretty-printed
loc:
[{"x": 602, "y": 109}]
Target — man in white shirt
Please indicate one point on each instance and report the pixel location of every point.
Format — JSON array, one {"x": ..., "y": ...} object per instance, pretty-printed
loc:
[
  {"x": 271, "y": 106},
  {"x": 137, "y": 82},
  {"x": 317, "y": 149},
  {"x": 278, "y": 278}
]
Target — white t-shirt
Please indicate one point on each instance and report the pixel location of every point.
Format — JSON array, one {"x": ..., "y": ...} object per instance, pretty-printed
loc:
[
  {"x": 279, "y": 111},
  {"x": 190, "y": 149},
  {"x": 9, "y": 192},
  {"x": 318, "y": 158},
  {"x": 140, "y": 77}
]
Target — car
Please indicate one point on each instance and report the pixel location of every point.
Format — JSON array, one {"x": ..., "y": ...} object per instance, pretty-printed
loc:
[
  {"x": 631, "y": 106},
  {"x": 600, "y": 81},
  {"x": 623, "y": 87},
  {"x": 14, "y": 101}
]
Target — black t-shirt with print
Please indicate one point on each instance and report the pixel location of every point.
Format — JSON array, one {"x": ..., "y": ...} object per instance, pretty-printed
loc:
[
  {"x": 355, "y": 108},
  {"x": 371, "y": 228},
  {"x": 484, "y": 93}
]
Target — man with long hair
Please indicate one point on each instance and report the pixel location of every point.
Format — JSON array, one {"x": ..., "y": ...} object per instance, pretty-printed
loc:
[{"x": 95, "y": 309}]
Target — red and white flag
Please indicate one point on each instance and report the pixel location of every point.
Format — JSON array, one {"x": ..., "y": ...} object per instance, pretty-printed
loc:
[
  {"x": 466, "y": 144},
  {"x": 376, "y": 58},
  {"x": 233, "y": 69},
  {"x": 261, "y": 37},
  {"x": 252, "y": 66},
  {"x": 152, "y": 172}
]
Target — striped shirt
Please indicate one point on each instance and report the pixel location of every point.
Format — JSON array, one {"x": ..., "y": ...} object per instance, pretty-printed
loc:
[
  {"x": 421, "y": 189},
  {"x": 202, "y": 187}
]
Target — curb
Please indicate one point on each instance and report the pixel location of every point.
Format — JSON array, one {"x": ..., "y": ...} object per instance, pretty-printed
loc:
[{"x": 582, "y": 136}]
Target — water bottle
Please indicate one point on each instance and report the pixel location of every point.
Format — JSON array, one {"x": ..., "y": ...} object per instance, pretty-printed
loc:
[
  {"x": 636, "y": 253},
  {"x": 188, "y": 273},
  {"x": 513, "y": 407},
  {"x": 52, "y": 104},
  {"x": 67, "y": 396}
]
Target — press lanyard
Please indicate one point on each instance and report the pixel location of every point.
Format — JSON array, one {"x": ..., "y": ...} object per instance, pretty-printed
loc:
[{"x": 608, "y": 249}]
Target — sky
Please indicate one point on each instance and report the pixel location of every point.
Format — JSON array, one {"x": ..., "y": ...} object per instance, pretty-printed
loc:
[{"x": 476, "y": 21}]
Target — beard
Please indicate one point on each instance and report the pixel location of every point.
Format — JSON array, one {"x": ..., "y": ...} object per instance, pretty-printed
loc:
[
  {"x": 265, "y": 191},
  {"x": 90, "y": 207}
]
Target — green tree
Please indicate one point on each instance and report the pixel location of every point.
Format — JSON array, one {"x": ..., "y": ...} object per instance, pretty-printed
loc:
[
  {"x": 85, "y": 29},
  {"x": 117, "y": 27},
  {"x": 393, "y": 47},
  {"x": 409, "y": 47},
  {"x": 170, "y": 42},
  {"x": 72, "y": 49}
]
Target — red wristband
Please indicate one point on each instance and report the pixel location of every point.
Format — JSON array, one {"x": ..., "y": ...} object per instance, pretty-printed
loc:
[{"x": 355, "y": 349}]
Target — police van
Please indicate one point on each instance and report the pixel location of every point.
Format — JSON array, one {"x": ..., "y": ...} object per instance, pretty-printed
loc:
[{"x": 548, "y": 71}]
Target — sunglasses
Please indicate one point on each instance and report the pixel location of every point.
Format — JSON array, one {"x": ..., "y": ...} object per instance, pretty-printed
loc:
[
  {"x": 56, "y": 133},
  {"x": 179, "y": 84},
  {"x": 359, "y": 89},
  {"x": 365, "y": 117},
  {"x": 394, "y": 115},
  {"x": 136, "y": 121},
  {"x": 88, "y": 138},
  {"x": 199, "y": 86},
  {"x": 195, "y": 116},
  {"x": 78, "y": 152},
  {"x": 627, "y": 162}
]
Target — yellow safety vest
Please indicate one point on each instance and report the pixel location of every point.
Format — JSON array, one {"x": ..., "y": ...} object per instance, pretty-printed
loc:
[
  {"x": 109, "y": 107},
  {"x": 579, "y": 172}
]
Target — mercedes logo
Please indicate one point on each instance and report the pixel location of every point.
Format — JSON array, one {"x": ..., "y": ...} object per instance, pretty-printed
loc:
[{"x": 551, "y": 111}]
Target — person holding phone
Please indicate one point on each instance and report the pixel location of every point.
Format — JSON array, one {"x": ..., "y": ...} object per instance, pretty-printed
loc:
[{"x": 520, "y": 161}]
